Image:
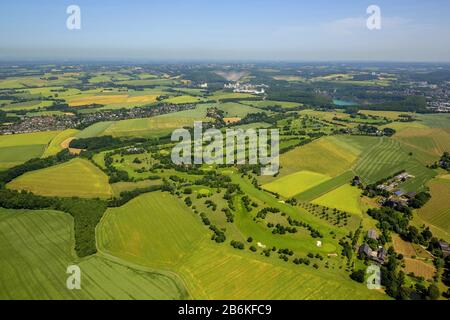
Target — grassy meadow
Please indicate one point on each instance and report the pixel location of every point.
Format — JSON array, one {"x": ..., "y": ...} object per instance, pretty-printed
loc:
[
  {"x": 386, "y": 158},
  {"x": 174, "y": 230},
  {"x": 45, "y": 242},
  {"x": 19, "y": 148},
  {"x": 296, "y": 183},
  {"x": 210, "y": 271},
  {"x": 164, "y": 245},
  {"x": 77, "y": 177},
  {"x": 345, "y": 198},
  {"x": 55, "y": 144},
  {"x": 437, "y": 211}
]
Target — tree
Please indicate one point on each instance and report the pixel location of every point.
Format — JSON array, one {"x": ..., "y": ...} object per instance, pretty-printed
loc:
[
  {"x": 358, "y": 276},
  {"x": 433, "y": 292}
]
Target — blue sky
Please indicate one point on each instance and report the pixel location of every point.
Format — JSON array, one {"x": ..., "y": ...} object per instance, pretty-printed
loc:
[{"x": 226, "y": 30}]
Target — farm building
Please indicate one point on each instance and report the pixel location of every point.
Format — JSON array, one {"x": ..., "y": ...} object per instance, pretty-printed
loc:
[
  {"x": 372, "y": 234},
  {"x": 365, "y": 250},
  {"x": 445, "y": 247},
  {"x": 374, "y": 255}
]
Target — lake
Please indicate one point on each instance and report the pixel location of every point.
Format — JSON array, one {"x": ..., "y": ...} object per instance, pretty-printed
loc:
[{"x": 343, "y": 103}]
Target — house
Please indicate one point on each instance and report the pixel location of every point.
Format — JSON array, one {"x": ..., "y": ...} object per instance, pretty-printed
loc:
[
  {"x": 374, "y": 255},
  {"x": 372, "y": 234},
  {"x": 365, "y": 250},
  {"x": 445, "y": 247},
  {"x": 411, "y": 195},
  {"x": 356, "y": 181},
  {"x": 396, "y": 203},
  {"x": 382, "y": 254},
  {"x": 402, "y": 176}
]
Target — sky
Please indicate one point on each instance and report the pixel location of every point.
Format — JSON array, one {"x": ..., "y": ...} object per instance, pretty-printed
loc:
[{"x": 250, "y": 30}]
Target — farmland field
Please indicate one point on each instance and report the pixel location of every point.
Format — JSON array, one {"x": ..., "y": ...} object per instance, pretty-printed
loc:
[
  {"x": 74, "y": 178},
  {"x": 218, "y": 96},
  {"x": 419, "y": 268},
  {"x": 112, "y": 100},
  {"x": 437, "y": 211},
  {"x": 120, "y": 187},
  {"x": 175, "y": 231},
  {"x": 141, "y": 226},
  {"x": 238, "y": 110},
  {"x": 345, "y": 198},
  {"x": 325, "y": 187},
  {"x": 188, "y": 252},
  {"x": 45, "y": 242},
  {"x": 55, "y": 145},
  {"x": 17, "y": 149},
  {"x": 95, "y": 130},
  {"x": 427, "y": 144},
  {"x": 40, "y": 138},
  {"x": 222, "y": 274},
  {"x": 403, "y": 247},
  {"x": 387, "y": 157},
  {"x": 331, "y": 156},
  {"x": 150, "y": 82},
  {"x": 183, "y": 100},
  {"x": 13, "y": 156},
  {"x": 296, "y": 183},
  {"x": 147, "y": 127},
  {"x": 29, "y": 105},
  {"x": 385, "y": 114},
  {"x": 267, "y": 103}
]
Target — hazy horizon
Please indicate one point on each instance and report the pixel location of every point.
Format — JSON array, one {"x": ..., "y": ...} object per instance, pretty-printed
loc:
[{"x": 200, "y": 30}]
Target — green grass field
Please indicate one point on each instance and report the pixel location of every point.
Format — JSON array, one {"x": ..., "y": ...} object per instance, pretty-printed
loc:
[
  {"x": 126, "y": 163},
  {"x": 149, "y": 82},
  {"x": 26, "y": 139},
  {"x": 345, "y": 198},
  {"x": 225, "y": 274},
  {"x": 156, "y": 126},
  {"x": 95, "y": 130},
  {"x": 387, "y": 157},
  {"x": 174, "y": 231},
  {"x": 14, "y": 156},
  {"x": 221, "y": 95},
  {"x": 29, "y": 105},
  {"x": 120, "y": 187},
  {"x": 157, "y": 247},
  {"x": 269, "y": 103},
  {"x": 77, "y": 177},
  {"x": 19, "y": 148},
  {"x": 37, "y": 247},
  {"x": 383, "y": 159},
  {"x": 427, "y": 145},
  {"x": 325, "y": 187},
  {"x": 180, "y": 243},
  {"x": 185, "y": 99},
  {"x": 257, "y": 125},
  {"x": 233, "y": 109},
  {"x": 296, "y": 183},
  {"x": 55, "y": 145},
  {"x": 147, "y": 127},
  {"x": 437, "y": 211},
  {"x": 330, "y": 156}
]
